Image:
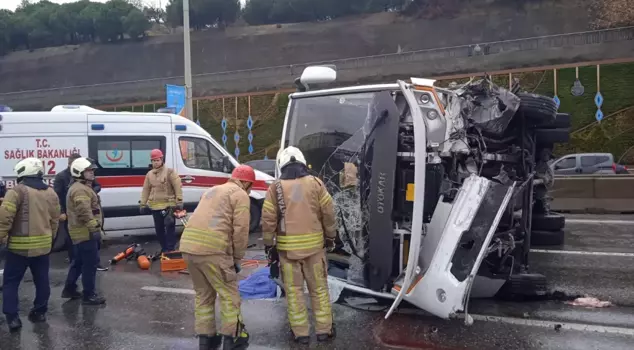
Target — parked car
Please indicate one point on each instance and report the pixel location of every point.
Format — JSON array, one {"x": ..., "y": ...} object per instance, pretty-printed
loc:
[
  {"x": 588, "y": 163},
  {"x": 266, "y": 166}
]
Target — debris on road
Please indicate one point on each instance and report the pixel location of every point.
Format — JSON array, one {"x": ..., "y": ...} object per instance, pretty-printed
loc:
[{"x": 589, "y": 302}]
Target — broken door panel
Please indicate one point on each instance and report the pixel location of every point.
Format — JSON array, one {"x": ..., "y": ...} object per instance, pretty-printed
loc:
[
  {"x": 420, "y": 159},
  {"x": 473, "y": 219}
]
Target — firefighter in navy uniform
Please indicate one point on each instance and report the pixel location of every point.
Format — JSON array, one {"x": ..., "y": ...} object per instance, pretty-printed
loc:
[
  {"x": 213, "y": 244},
  {"x": 162, "y": 194},
  {"x": 298, "y": 218},
  {"x": 84, "y": 227},
  {"x": 29, "y": 217}
]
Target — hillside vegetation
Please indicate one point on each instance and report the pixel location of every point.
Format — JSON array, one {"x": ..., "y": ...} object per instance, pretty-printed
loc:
[
  {"x": 615, "y": 134},
  {"x": 38, "y": 24}
]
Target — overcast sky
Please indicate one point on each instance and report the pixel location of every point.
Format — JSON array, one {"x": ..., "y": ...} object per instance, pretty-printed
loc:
[{"x": 12, "y": 4}]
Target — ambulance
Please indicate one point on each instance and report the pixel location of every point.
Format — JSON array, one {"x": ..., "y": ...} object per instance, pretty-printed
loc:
[{"x": 120, "y": 144}]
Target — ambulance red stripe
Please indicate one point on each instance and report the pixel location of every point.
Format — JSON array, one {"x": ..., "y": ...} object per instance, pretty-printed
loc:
[{"x": 198, "y": 181}]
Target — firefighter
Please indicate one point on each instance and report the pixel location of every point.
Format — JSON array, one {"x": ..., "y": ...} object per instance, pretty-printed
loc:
[
  {"x": 61, "y": 184},
  {"x": 84, "y": 227},
  {"x": 29, "y": 217},
  {"x": 162, "y": 193},
  {"x": 298, "y": 218},
  {"x": 213, "y": 244}
]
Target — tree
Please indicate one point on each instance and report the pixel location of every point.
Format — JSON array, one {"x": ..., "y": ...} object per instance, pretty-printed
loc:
[
  {"x": 613, "y": 13},
  {"x": 5, "y": 31},
  {"x": 285, "y": 11},
  {"x": 135, "y": 24},
  {"x": 204, "y": 13}
]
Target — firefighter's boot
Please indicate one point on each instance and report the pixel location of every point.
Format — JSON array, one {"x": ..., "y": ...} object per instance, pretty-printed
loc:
[
  {"x": 237, "y": 343},
  {"x": 206, "y": 342},
  {"x": 37, "y": 317},
  {"x": 328, "y": 336},
  {"x": 15, "y": 324},
  {"x": 73, "y": 294}
]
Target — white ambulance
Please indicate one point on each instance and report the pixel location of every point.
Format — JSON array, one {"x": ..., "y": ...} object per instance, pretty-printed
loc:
[{"x": 120, "y": 143}]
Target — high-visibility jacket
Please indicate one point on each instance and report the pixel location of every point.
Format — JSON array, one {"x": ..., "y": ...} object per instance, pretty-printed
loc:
[
  {"x": 29, "y": 219},
  {"x": 162, "y": 189},
  {"x": 309, "y": 217},
  {"x": 84, "y": 212},
  {"x": 220, "y": 223}
]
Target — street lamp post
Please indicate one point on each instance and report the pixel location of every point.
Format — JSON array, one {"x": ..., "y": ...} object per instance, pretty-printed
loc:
[{"x": 189, "y": 108}]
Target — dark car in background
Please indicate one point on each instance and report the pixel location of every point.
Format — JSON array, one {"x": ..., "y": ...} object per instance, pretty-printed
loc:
[
  {"x": 266, "y": 166},
  {"x": 588, "y": 163}
]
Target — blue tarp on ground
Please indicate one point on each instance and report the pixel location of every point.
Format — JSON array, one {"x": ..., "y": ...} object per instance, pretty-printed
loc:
[{"x": 258, "y": 285}]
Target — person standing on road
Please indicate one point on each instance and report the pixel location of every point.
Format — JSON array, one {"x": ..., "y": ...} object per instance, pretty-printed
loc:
[
  {"x": 61, "y": 184},
  {"x": 213, "y": 244},
  {"x": 84, "y": 227},
  {"x": 29, "y": 216},
  {"x": 297, "y": 217},
  {"x": 162, "y": 193}
]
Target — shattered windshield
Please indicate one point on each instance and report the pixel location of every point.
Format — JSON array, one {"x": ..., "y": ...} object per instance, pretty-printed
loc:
[{"x": 331, "y": 132}]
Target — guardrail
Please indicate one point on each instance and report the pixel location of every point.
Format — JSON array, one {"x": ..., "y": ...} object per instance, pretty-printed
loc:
[{"x": 593, "y": 194}]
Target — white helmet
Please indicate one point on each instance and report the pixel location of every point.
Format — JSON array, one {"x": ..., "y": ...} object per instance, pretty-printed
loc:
[
  {"x": 79, "y": 165},
  {"x": 29, "y": 167},
  {"x": 290, "y": 155}
]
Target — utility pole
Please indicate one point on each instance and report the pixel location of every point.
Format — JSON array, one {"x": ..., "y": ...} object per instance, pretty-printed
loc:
[{"x": 189, "y": 108}]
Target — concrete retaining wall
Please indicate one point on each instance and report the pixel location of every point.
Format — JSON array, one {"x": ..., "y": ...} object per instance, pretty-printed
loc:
[
  {"x": 594, "y": 194},
  {"x": 555, "y": 49}
]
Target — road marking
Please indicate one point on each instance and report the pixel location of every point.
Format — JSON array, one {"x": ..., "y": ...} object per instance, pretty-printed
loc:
[
  {"x": 600, "y": 222},
  {"x": 169, "y": 290},
  {"x": 580, "y": 252},
  {"x": 582, "y": 327},
  {"x": 184, "y": 291}
]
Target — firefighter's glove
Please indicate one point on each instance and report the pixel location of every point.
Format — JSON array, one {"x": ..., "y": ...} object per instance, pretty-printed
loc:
[
  {"x": 144, "y": 210},
  {"x": 330, "y": 245},
  {"x": 267, "y": 249},
  {"x": 237, "y": 267}
]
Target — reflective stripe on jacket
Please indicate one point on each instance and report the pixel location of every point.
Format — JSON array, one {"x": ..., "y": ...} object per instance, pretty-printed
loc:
[
  {"x": 29, "y": 219},
  {"x": 84, "y": 212},
  {"x": 310, "y": 217},
  {"x": 220, "y": 223},
  {"x": 162, "y": 189}
]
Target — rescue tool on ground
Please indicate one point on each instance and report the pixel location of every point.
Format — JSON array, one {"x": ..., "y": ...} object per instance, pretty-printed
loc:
[{"x": 450, "y": 182}]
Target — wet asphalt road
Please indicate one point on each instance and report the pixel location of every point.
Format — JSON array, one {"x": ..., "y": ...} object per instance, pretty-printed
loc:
[{"x": 137, "y": 318}]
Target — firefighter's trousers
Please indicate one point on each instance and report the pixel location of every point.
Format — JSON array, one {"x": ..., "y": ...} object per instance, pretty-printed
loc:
[
  {"x": 313, "y": 270},
  {"x": 215, "y": 274}
]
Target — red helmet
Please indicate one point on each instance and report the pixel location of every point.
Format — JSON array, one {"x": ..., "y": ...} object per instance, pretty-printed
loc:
[
  {"x": 156, "y": 154},
  {"x": 243, "y": 173}
]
